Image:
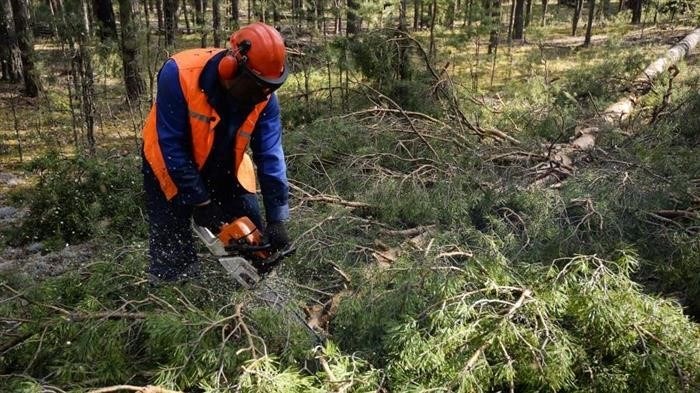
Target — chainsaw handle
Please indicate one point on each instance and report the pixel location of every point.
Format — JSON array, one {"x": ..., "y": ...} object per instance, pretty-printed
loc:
[
  {"x": 247, "y": 247},
  {"x": 265, "y": 266}
]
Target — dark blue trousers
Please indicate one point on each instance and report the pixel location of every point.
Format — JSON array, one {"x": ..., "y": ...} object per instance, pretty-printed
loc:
[{"x": 171, "y": 245}]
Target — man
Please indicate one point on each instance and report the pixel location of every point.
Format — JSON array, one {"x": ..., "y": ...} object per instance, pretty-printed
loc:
[{"x": 211, "y": 105}]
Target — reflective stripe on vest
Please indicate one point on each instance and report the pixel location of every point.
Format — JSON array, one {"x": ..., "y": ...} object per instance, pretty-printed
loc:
[{"x": 203, "y": 119}]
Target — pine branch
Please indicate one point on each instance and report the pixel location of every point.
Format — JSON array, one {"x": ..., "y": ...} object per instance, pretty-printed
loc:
[
  {"x": 139, "y": 389},
  {"x": 473, "y": 359}
]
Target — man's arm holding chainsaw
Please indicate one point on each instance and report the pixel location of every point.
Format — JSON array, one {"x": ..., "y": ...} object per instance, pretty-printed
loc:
[
  {"x": 268, "y": 154},
  {"x": 173, "y": 128}
]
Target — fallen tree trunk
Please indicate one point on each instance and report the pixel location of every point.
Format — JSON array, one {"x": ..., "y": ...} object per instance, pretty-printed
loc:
[{"x": 563, "y": 154}]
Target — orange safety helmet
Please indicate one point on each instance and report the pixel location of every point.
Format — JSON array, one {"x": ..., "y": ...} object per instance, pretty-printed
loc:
[{"x": 258, "y": 49}]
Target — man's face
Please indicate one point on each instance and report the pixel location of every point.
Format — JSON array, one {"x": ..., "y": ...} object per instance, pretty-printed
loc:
[{"x": 248, "y": 89}]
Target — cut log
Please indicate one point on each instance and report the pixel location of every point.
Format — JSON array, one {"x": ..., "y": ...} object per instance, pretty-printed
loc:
[{"x": 585, "y": 136}]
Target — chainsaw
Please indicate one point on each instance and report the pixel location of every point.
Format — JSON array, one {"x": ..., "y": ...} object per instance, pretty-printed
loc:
[{"x": 240, "y": 250}]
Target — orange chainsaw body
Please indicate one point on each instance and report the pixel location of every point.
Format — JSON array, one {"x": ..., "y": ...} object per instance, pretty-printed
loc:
[{"x": 242, "y": 231}]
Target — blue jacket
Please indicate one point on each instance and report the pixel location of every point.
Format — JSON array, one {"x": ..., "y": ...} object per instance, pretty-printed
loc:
[{"x": 172, "y": 125}]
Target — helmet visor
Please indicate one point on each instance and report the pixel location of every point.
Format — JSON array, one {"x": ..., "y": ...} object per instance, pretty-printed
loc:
[{"x": 270, "y": 84}]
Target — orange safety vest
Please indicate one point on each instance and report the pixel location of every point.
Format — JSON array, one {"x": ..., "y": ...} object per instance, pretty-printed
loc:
[{"x": 203, "y": 118}]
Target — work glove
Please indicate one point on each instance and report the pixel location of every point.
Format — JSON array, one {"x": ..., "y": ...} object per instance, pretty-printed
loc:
[
  {"x": 276, "y": 236},
  {"x": 210, "y": 216}
]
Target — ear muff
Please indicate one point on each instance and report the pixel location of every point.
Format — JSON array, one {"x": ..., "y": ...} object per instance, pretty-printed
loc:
[
  {"x": 228, "y": 67},
  {"x": 236, "y": 56}
]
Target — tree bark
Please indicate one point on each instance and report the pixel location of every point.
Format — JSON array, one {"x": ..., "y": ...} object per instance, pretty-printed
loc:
[
  {"x": 589, "y": 28},
  {"x": 170, "y": 21},
  {"x": 403, "y": 49},
  {"x": 510, "y": 19},
  {"x": 134, "y": 83},
  {"x": 159, "y": 14},
  {"x": 216, "y": 22},
  {"x": 10, "y": 55},
  {"x": 86, "y": 17},
  {"x": 519, "y": 20},
  {"x": 416, "y": 13},
  {"x": 199, "y": 6},
  {"x": 577, "y": 15},
  {"x": 107, "y": 24},
  {"x": 354, "y": 23},
  {"x": 433, "y": 14},
  {"x": 545, "y": 3},
  {"x": 148, "y": 51},
  {"x": 636, "y": 11},
  {"x": 185, "y": 14},
  {"x": 87, "y": 86},
  {"x": 235, "y": 7},
  {"x": 606, "y": 9},
  {"x": 468, "y": 14},
  {"x": 450, "y": 15},
  {"x": 528, "y": 12},
  {"x": 25, "y": 42},
  {"x": 493, "y": 8}
]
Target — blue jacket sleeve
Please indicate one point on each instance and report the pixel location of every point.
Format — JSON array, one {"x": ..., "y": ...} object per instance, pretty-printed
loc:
[
  {"x": 268, "y": 156},
  {"x": 172, "y": 125}
]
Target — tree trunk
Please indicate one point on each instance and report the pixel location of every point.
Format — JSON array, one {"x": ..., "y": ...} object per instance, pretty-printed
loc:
[
  {"x": 433, "y": 14},
  {"x": 589, "y": 28},
  {"x": 235, "y": 7},
  {"x": 216, "y": 22},
  {"x": 545, "y": 3},
  {"x": 25, "y": 42},
  {"x": 510, "y": 20},
  {"x": 159, "y": 14},
  {"x": 616, "y": 113},
  {"x": 319, "y": 20},
  {"x": 493, "y": 8},
  {"x": 88, "y": 93},
  {"x": 354, "y": 21},
  {"x": 199, "y": 12},
  {"x": 107, "y": 24},
  {"x": 468, "y": 14},
  {"x": 421, "y": 24},
  {"x": 519, "y": 20},
  {"x": 450, "y": 16},
  {"x": 636, "y": 12},
  {"x": 416, "y": 14},
  {"x": 577, "y": 15},
  {"x": 149, "y": 62},
  {"x": 170, "y": 21},
  {"x": 338, "y": 17},
  {"x": 134, "y": 83},
  {"x": 403, "y": 49},
  {"x": 185, "y": 14},
  {"x": 10, "y": 55},
  {"x": 528, "y": 12},
  {"x": 86, "y": 18},
  {"x": 87, "y": 86}
]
